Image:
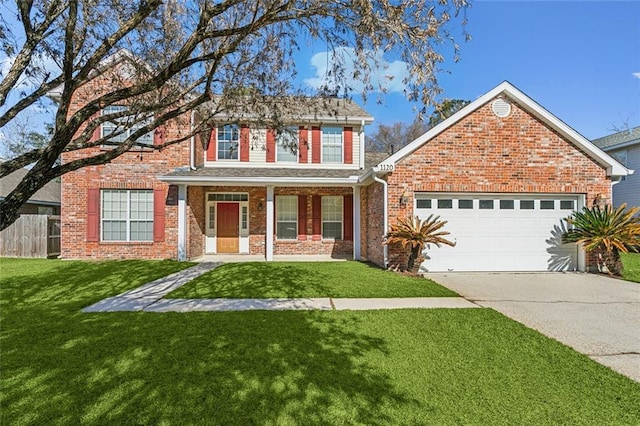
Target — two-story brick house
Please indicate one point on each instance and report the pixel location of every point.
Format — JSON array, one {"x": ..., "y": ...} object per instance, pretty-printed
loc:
[{"x": 503, "y": 171}]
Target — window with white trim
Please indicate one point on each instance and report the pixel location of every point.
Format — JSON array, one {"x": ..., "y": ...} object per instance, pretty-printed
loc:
[
  {"x": 286, "y": 217},
  {"x": 122, "y": 128},
  {"x": 126, "y": 215},
  {"x": 332, "y": 217},
  {"x": 286, "y": 145},
  {"x": 228, "y": 141},
  {"x": 332, "y": 145}
]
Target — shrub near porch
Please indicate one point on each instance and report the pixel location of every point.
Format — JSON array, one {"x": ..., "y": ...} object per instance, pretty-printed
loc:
[{"x": 306, "y": 279}]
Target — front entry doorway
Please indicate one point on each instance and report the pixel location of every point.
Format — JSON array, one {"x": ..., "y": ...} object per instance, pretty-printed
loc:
[
  {"x": 228, "y": 228},
  {"x": 227, "y": 223}
]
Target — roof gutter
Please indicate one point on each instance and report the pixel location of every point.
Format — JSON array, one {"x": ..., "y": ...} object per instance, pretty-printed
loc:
[
  {"x": 258, "y": 181},
  {"x": 192, "y": 147}
]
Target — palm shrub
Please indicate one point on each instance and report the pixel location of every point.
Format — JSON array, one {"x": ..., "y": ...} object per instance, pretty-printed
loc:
[
  {"x": 606, "y": 232},
  {"x": 413, "y": 234}
]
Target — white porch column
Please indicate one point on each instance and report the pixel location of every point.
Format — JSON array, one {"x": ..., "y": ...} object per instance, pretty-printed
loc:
[
  {"x": 356, "y": 223},
  {"x": 269, "y": 233},
  {"x": 182, "y": 222}
]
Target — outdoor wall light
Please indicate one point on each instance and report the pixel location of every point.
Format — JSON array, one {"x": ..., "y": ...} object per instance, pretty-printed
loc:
[{"x": 260, "y": 206}]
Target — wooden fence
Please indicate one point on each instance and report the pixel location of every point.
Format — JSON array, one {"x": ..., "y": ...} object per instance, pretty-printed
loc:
[{"x": 32, "y": 235}]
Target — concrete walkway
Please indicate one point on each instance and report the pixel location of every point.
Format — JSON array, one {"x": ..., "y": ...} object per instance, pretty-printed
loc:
[
  {"x": 140, "y": 298},
  {"x": 596, "y": 315},
  {"x": 320, "y": 303},
  {"x": 149, "y": 298}
]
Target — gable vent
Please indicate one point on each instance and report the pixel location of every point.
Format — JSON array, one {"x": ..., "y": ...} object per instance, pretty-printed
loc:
[{"x": 501, "y": 107}]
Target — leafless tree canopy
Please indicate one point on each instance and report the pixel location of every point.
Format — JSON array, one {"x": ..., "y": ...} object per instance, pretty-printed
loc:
[
  {"x": 193, "y": 52},
  {"x": 390, "y": 138}
]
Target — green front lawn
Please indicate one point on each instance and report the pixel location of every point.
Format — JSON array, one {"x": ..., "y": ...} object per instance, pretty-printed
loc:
[
  {"x": 306, "y": 279},
  {"x": 441, "y": 366},
  {"x": 631, "y": 263}
]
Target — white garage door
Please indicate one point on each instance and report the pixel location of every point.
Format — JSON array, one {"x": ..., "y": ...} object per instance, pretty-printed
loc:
[{"x": 501, "y": 232}]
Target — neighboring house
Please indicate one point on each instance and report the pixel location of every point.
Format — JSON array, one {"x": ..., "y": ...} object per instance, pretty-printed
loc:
[
  {"x": 625, "y": 147},
  {"x": 45, "y": 201},
  {"x": 503, "y": 171},
  {"x": 36, "y": 232}
]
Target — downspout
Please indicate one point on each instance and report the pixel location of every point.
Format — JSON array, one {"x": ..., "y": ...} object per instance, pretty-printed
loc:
[
  {"x": 192, "y": 148},
  {"x": 386, "y": 219},
  {"x": 362, "y": 147}
]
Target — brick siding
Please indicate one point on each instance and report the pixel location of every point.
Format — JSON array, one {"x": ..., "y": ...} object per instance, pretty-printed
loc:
[
  {"x": 373, "y": 221},
  {"x": 485, "y": 153},
  {"x": 133, "y": 170}
]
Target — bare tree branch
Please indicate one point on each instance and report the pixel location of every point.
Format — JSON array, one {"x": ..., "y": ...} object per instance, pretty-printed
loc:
[{"x": 162, "y": 59}]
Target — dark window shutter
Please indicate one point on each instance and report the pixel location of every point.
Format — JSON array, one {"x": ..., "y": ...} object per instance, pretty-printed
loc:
[
  {"x": 316, "y": 217},
  {"x": 158, "y": 214},
  {"x": 159, "y": 135},
  {"x": 303, "y": 145},
  {"x": 348, "y": 145},
  {"x": 271, "y": 145},
  {"x": 211, "y": 147},
  {"x": 244, "y": 143},
  {"x": 93, "y": 214},
  {"x": 97, "y": 132},
  {"x": 347, "y": 222},
  {"x": 302, "y": 217},
  {"x": 316, "y": 144}
]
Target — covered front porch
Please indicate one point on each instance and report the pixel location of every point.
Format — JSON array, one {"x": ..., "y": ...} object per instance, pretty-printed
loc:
[{"x": 267, "y": 219}]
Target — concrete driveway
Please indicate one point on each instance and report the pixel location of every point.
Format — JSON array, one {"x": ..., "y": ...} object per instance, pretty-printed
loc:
[{"x": 596, "y": 315}]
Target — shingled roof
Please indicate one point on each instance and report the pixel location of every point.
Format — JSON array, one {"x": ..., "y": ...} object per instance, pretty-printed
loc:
[
  {"x": 296, "y": 109},
  {"x": 623, "y": 137},
  {"x": 252, "y": 173},
  {"x": 48, "y": 194},
  {"x": 266, "y": 172}
]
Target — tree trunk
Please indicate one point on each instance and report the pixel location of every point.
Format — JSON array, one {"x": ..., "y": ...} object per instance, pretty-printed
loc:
[
  {"x": 412, "y": 265},
  {"x": 613, "y": 262}
]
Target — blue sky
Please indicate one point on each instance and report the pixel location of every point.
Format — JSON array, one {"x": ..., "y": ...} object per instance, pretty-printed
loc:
[{"x": 576, "y": 58}]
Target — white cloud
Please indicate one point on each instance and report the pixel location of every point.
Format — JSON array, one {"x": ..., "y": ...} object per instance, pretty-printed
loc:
[
  {"x": 387, "y": 75},
  {"x": 636, "y": 74}
]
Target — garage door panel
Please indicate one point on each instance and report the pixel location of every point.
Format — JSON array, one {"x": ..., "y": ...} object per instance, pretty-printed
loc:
[{"x": 502, "y": 239}]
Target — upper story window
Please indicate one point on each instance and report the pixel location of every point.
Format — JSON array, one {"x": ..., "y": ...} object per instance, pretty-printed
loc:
[
  {"x": 332, "y": 145},
  {"x": 119, "y": 126},
  {"x": 228, "y": 141},
  {"x": 286, "y": 143}
]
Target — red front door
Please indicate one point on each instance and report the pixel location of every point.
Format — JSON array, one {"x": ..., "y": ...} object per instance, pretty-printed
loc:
[{"x": 227, "y": 225}]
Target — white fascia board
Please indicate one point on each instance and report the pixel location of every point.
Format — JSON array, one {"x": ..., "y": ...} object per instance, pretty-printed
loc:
[
  {"x": 329, "y": 119},
  {"x": 258, "y": 181},
  {"x": 388, "y": 165},
  {"x": 338, "y": 120},
  {"x": 363, "y": 179},
  {"x": 56, "y": 93},
  {"x": 612, "y": 166}
]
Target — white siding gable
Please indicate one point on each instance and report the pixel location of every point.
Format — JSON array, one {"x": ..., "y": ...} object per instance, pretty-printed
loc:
[{"x": 628, "y": 190}]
